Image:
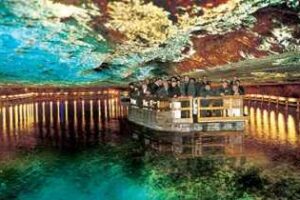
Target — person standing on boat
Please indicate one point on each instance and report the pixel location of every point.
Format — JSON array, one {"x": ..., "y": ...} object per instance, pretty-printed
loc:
[
  {"x": 163, "y": 92},
  {"x": 240, "y": 87},
  {"x": 235, "y": 111},
  {"x": 145, "y": 92},
  {"x": 184, "y": 86},
  {"x": 233, "y": 81},
  {"x": 181, "y": 86},
  {"x": 225, "y": 90},
  {"x": 191, "y": 89},
  {"x": 155, "y": 86},
  {"x": 174, "y": 90},
  {"x": 205, "y": 80},
  {"x": 206, "y": 92},
  {"x": 135, "y": 95},
  {"x": 236, "y": 90},
  {"x": 131, "y": 89},
  {"x": 199, "y": 87}
]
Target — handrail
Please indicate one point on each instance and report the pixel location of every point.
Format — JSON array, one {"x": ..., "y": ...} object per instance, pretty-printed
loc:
[
  {"x": 222, "y": 97},
  {"x": 230, "y": 107},
  {"x": 287, "y": 101},
  {"x": 183, "y": 108}
]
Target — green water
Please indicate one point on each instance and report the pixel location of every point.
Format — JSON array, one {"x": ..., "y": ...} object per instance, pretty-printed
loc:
[{"x": 129, "y": 172}]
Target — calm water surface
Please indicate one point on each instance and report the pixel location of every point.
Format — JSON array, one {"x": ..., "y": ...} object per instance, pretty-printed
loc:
[{"x": 86, "y": 149}]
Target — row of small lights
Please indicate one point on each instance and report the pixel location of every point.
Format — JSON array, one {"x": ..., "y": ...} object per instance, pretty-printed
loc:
[
  {"x": 259, "y": 96},
  {"x": 35, "y": 94}
]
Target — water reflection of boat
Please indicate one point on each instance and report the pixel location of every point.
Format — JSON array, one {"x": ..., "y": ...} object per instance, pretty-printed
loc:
[
  {"x": 187, "y": 114},
  {"x": 195, "y": 144}
]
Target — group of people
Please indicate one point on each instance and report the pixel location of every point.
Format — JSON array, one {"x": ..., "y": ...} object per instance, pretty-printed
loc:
[{"x": 177, "y": 86}]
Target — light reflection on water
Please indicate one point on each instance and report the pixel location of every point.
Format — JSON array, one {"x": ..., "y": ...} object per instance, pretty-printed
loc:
[
  {"x": 54, "y": 120},
  {"x": 274, "y": 125}
]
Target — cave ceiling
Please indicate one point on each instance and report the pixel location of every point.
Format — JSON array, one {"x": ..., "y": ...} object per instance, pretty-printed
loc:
[{"x": 116, "y": 41}]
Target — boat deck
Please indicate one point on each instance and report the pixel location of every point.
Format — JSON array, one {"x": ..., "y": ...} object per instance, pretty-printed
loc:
[{"x": 187, "y": 114}]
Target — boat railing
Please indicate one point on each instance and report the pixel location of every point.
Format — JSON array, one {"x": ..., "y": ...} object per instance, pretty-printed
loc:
[
  {"x": 220, "y": 108},
  {"x": 189, "y": 109}
]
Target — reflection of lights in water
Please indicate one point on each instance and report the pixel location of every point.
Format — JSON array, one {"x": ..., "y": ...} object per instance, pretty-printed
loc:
[
  {"x": 281, "y": 128},
  {"x": 23, "y": 113},
  {"x": 252, "y": 121},
  {"x": 273, "y": 125},
  {"x": 16, "y": 118},
  {"x": 21, "y": 116},
  {"x": 51, "y": 114},
  {"x": 57, "y": 126},
  {"x": 266, "y": 124},
  {"x": 113, "y": 110},
  {"x": 109, "y": 110},
  {"x": 105, "y": 109},
  {"x": 111, "y": 106},
  {"x": 246, "y": 111},
  {"x": 83, "y": 113},
  {"x": 36, "y": 110},
  {"x": 43, "y": 113},
  {"x": 27, "y": 115},
  {"x": 75, "y": 113},
  {"x": 91, "y": 114},
  {"x": 259, "y": 123},
  {"x": 99, "y": 112},
  {"x": 58, "y": 110},
  {"x": 66, "y": 112},
  {"x": 30, "y": 115},
  {"x": 4, "y": 119},
  {"x": 10, "y": 112},
  {"x": 51, "y": 117},
  {"x": 291, "y": 127}
]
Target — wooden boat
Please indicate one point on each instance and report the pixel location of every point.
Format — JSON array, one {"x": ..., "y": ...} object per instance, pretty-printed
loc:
[{"x": 187, "y": 114}]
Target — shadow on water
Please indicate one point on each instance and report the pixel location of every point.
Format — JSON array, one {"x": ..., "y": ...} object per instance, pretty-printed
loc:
[{"x": 86, "y": 149}]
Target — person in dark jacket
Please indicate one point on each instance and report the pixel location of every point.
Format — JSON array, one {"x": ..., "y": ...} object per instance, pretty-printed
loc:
[
  {"x": 163, "y": 92},
  {"x": 181, "y": 86},
  {"x": 199, "y": 87},
  {"x": 131, "y": 89},
  {"x": 191, "y": 88},
  {"x": 174, "y": 90},
  {"x": 241, "y": 88},
  {"x": 136, "y": 96},
  {"x": 235, "y": 78},
  {"x": 206, "y": 92},
  {"x": 155, "y": 86},
  {"x": 148, "y": 83},
  {"x": 184, "y": 86},
  {"x": 205, "y": 80},
  {"x": 225, "y": 90}
]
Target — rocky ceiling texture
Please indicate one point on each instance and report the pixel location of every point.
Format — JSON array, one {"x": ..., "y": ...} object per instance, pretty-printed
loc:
[
  {"x": 189, "y": 35},
  {"x": 257, "y": 39}
]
